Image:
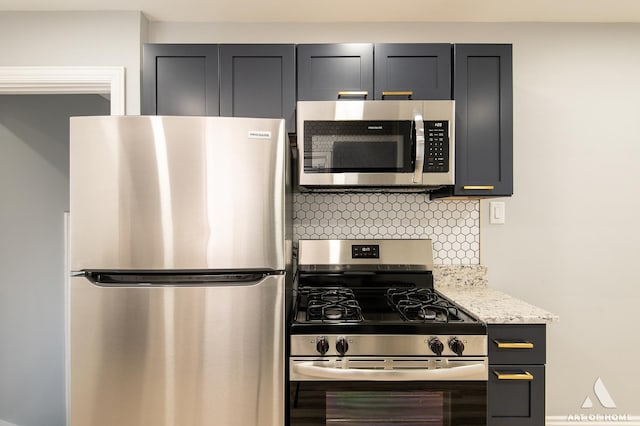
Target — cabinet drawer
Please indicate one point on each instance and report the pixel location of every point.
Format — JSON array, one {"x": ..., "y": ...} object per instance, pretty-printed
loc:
[
  {"x": 517, "y": 344},
  {"x": 516, "y": 395}
]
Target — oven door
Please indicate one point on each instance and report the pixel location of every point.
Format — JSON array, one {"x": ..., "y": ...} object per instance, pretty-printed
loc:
[{"x": 407, "y": 396}]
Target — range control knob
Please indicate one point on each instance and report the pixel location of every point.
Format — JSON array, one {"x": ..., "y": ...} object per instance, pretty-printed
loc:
[
  {"x": 456, "y": 345},
  {"x": 342, "y": 346},
  {"x": 322, "y": 345},
  {"x": 436, "y": 346}
]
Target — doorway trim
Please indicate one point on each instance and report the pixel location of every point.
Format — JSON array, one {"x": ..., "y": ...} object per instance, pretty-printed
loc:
[{"x": 66, "y": 80}]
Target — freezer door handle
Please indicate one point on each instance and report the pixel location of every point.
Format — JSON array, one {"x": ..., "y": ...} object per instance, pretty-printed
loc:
[{"x": 164, "y": 279}]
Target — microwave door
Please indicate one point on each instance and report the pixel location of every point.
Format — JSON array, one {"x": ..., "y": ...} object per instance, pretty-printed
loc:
[{"x": 384, "y": 145}]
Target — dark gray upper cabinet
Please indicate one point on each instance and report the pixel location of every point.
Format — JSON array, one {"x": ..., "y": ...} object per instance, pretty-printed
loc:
[
  {"x": 258, "y": 81},
  {"x": 415, "y": 71},
  {"x": 325, "y": 70},
  {"x": 483, "y": 90},
  {"x": 180, "y": 79}
]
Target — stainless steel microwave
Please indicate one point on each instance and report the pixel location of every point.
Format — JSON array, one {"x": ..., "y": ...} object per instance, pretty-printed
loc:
[{"x": 375, "y": 144}]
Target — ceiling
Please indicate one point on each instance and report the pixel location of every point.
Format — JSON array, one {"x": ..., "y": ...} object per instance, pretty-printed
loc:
[{"x": 352, "y": 10}]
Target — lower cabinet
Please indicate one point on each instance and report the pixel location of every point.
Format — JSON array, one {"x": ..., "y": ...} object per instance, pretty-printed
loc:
[
  {"x": 516, "y": 395},
  {"x": 516, "y": 388}
]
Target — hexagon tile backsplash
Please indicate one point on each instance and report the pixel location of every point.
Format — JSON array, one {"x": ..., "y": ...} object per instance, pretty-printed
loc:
[{"x": 454, "y": 226}]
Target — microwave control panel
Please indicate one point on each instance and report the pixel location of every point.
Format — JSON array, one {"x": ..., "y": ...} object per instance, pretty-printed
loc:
[{"x": 436, "y": 146}]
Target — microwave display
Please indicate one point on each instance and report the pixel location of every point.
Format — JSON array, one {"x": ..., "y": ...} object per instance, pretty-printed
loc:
[{"x": 358, "y": 146}]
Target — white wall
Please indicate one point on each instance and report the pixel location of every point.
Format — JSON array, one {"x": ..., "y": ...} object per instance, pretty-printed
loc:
[
  {"x": 34, "y": 189},
  {"x": 572, "y": 238},
  {"x": 76, "y": 39}
]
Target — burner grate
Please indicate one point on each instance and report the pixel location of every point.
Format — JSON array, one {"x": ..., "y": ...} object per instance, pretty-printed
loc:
[
  {"x": 421, "y": 305},
  {"x": 332, "y": 305}
]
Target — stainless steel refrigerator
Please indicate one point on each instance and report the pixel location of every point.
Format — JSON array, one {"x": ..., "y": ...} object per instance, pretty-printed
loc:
[{"x": 179, "y": 247}]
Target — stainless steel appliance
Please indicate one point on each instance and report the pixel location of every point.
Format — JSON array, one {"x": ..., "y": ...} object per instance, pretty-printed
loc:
[
  {"x": 375, "y": 144},
  {"x": 373, "y": 343},
  {"x": 179, "y": 251}
]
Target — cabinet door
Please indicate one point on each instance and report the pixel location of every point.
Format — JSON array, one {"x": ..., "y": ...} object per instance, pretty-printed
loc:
[
  {"x": 180, "y": 79},
  {"x": 516, "y": 395},
  {"x": 258, "y": 81},
  {"x": 482, "y": 88},
  {"x": 324, "y": 70},
  {"x": 421, "y": 70}
]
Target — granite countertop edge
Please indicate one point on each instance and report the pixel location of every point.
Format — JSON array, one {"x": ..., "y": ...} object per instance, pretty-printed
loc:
[{"x": 496, "y": 307}]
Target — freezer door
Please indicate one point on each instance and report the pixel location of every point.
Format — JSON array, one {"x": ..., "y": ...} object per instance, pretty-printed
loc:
[
  {"x": 177, "y": 355},
  {"x": 193, "y": 193}
]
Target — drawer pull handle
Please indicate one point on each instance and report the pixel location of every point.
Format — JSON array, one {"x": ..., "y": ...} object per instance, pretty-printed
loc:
[
  {"x": 362, "y": 93},
  {"x": 513, "y": 345},
  {"x": 407, "y": 93},
  {"x": 525, "y": 375},
  {"x": 478, "y": 187}
]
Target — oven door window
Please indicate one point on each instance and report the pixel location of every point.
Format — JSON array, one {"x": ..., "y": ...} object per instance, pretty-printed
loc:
[
  {"x": 358, "y": 146},
  {"x": 382, "y": 408},
  {"x": 388, "y": 403}
]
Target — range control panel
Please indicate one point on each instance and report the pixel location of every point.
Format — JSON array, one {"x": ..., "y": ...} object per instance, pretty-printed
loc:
[
  {"x": 369, "y": 251},
  {"x": 382, "y": 345},
  {"x": 436, "y": 146}
]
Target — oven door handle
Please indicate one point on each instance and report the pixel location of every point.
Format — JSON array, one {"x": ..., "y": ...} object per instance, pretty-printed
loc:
[{"x": 463, "y": 372}]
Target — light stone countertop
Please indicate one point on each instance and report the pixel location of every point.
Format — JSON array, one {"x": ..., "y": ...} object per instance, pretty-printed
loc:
[{"x": 467, "y": 286}]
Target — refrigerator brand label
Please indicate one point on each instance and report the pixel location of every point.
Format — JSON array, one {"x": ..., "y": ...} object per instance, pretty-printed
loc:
[{"x": 256, "y": 134}]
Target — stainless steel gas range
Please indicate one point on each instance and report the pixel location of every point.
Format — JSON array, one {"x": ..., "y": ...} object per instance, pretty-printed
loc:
[{"x": 372, "y": 342}]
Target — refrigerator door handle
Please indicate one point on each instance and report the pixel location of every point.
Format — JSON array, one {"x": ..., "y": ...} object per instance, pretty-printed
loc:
[{"x": 164, "y": 279}]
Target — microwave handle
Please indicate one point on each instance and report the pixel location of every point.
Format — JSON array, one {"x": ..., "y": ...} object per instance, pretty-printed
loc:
[{"x": 419, "y": 163}]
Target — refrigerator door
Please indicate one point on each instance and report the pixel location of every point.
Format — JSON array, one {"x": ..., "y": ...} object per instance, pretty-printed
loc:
[
  {"x": 181, "y": 193},
  {"x": 181, "y": 355}
]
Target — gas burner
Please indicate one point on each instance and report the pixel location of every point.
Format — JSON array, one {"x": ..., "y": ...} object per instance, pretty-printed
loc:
[
  {"x": 330, "y": 294},
  {"x": 421, "y": 305},
  {"x": 332, "y": 304},
  {"x": 412, "y": 310},
  {"x": 417, "y": 295}
]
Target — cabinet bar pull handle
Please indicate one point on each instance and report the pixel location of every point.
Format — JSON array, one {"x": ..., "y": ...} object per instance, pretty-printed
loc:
[
  {"x": 525, "y": 375},
  {"x": 407, "y": 93},
  {"x": 514, "y": 345},
  {"x": 478, "y": 187},
  {"x": 362, "y": 93}
]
